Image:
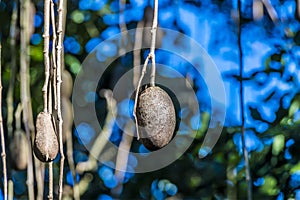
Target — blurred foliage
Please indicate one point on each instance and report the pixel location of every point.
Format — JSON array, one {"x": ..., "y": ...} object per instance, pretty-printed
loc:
[{"x": 271, "y": 84}]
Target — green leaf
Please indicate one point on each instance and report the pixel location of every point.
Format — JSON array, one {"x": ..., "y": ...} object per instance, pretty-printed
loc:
[{"x": 278, "y": 144}]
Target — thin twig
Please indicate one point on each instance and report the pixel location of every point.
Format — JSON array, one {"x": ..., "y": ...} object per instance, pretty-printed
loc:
[
  {"x": 10, "y": 92},
  {"x": 151, "y": 56},
  {"x": 136, "y": 95},
  {"x": 102, "y": 139},
  {"x": 54, "y": 39},
  {"x": 245, "y": 151},
  {"x": 59, "y": 65},
  {"x": 50, "y": 165},
  {"x": 25, "y": 89},
  {"x": 3, "y": 153}
]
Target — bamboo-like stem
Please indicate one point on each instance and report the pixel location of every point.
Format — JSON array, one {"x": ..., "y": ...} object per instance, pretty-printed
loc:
[
  {"x": 101, "y": 140},
  {"x": 153, "y": 42},
  {"x": 47, "y": 97},
  {"x": 69, "y": 139},
  {"x": 46, "y": 37},
  {"x": 151, "y": 56},
  {"x": 54, "y": 40},
  {"x": 59, "y": 48},
  {"x": 50, "y": 195},
  {"x": 241, "y": 64},
  {"x": 10, "y": 92},
  {"x": 3, "y": 153},
  {"x": 25, "y": 89}
]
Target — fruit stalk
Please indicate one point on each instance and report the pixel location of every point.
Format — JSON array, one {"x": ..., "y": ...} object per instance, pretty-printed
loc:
[
  {"x": 151, "y": 56},
  {"x": 153, "y": 41}
]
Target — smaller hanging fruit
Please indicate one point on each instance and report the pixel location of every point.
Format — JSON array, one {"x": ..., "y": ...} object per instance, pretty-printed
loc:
[{"x": 46, "y": 142}]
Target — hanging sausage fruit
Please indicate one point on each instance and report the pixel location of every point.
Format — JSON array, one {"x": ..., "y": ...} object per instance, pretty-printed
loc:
[{"x": 154, "y": 110}]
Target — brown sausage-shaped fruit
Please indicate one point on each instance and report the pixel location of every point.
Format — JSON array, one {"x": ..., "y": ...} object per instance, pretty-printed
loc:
[
  {"x": 156, "y": 117},
  {"x": 19, "y": 150},
  {"x": 46, "y": 141}
]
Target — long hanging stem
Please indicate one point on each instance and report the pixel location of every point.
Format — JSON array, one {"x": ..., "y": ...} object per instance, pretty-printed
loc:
[
  {"x": 3, "y": 153},
  {"x": 151, "y": 56},
  {"x": 10, "y": 92},
  {"x": 46, "y": 36},
  {"x": 58, "y": 90},
  {"x": 241, "y": 64},
  {"x": 50, "y": 165},
  {"x": 54, "y": 39},
  {"x": 25, "y": 88},
  {"x": 153, "y": 42},
  {"x": 69, "y": 140}
]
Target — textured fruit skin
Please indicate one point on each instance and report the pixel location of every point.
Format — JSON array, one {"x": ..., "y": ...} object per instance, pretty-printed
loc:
[
  {"x": 19, "y": 150},
  {"x": 46, "y": 141},
  {"x": 156, "y": 117}
]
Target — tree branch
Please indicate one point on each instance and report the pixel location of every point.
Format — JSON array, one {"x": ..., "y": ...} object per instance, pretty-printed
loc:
[{"x": 25, "y": 88}]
